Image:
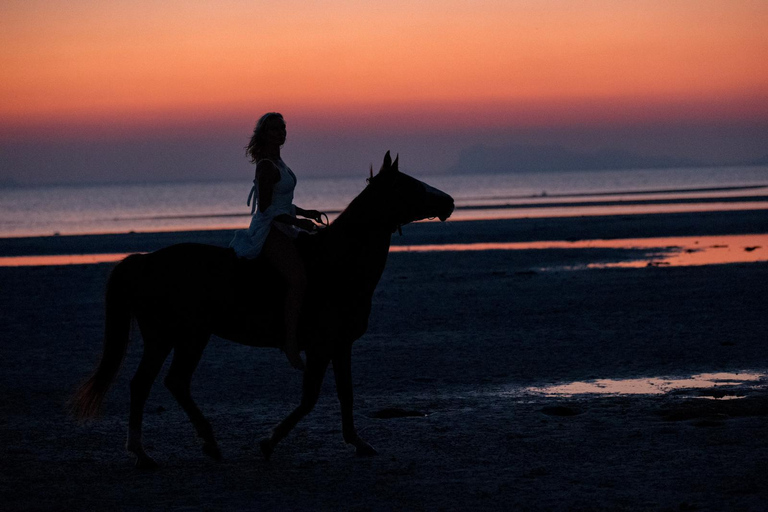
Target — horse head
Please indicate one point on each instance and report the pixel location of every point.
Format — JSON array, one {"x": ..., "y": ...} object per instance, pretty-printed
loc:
[{"x": 402, "y": 199}]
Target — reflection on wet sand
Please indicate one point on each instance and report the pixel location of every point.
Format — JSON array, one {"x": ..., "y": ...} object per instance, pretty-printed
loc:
[
  {"x": 710, "y": 385},
  {"x": 696, "y": 251},
  {"x": 59, "y": 259},
  {"x": 666, "y": 251}
]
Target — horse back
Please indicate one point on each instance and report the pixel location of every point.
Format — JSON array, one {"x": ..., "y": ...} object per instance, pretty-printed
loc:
[
  {"x": 195, "y": 288},
  {"x": 203, "y": 288}
]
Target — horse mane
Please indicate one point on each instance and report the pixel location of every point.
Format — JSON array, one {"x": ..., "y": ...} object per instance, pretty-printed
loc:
[{"x": 356, "y": 207}]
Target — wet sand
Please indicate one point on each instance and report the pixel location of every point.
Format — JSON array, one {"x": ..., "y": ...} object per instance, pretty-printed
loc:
[{"x": 464, "y": 339}]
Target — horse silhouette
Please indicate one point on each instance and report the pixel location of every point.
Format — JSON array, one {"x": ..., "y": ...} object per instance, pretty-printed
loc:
[{"x": 182, "y": 294}]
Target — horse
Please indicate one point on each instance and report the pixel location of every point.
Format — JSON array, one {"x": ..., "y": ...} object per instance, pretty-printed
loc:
[{"x": 182, "y": 294}]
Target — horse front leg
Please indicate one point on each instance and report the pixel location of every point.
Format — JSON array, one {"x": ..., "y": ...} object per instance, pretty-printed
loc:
[
  {"x": 342, "y": 371},
  {"x": 313, "y": 379}
]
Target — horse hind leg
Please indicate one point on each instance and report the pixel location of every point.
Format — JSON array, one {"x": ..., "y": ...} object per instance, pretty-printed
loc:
[
  {"x": 151, "y": 362},
  {"x": 178, "y": 381}
]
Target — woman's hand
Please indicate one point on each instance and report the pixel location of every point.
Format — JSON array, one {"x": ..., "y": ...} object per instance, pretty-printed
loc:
[
  {"x": 314, "y": 215},
  {"x": 305, "y": 224}
]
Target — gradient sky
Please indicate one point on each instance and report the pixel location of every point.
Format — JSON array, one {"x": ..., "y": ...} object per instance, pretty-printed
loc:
[{"x": 133, "y": 90}]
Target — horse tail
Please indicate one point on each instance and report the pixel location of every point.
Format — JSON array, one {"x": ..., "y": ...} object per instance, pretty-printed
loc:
[{"x": 86, "y": 403}]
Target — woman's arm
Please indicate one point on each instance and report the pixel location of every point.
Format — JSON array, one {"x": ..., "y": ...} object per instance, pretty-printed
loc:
[{"x": 266, "y": 175}]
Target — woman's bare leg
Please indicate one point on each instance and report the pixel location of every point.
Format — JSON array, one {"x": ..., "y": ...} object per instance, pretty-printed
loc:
[{"x": 281, "y": 253}]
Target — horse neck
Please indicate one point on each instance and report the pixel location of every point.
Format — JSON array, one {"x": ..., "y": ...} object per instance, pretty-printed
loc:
[
  {"x": 359, "y": 240},
  {"x": 354, "y": 247}
]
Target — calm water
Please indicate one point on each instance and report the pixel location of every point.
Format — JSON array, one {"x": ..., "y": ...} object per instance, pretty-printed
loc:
[{"x": 46, "y": 210}]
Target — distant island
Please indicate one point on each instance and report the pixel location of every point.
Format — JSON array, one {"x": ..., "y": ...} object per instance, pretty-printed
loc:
[
  {"x": 763, "y": 160},
  {"x": 532, "y": 158},
  {"x": 9, "y": 183}
]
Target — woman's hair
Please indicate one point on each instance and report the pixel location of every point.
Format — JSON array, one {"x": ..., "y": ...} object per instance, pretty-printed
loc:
[{"x": 254, "y": 147}]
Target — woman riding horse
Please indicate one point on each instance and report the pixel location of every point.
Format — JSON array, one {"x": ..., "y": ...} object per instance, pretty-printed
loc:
[
  {"x": 274, "y": 225},
  {"x": 182, "y": 294}
]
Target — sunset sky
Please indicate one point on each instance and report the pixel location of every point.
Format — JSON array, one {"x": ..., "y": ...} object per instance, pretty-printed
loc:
[{"x": 133, "y": 90}]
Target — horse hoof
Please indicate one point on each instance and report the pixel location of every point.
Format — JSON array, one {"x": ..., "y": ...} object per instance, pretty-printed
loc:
[
  {"x": 266, "y": 448},
  {"x": 145, "y": 462},
  {"x": 365, "y": 450},
  {"x": 212, "y": 450}
]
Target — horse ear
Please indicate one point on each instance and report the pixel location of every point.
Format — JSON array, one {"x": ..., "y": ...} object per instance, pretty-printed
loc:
[
  {"x": 395, "y": 163},
  {"x": 387, "y": 162}
]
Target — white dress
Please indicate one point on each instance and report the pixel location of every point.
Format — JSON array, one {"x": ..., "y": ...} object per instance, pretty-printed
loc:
[{"x": 247, "y": 243}]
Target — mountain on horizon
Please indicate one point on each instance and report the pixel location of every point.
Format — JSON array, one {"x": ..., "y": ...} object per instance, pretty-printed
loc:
[
  {"x": 8, "y": 183},
  {"x": 530, "y": 158},
  {"x": 763, "y": 160}
]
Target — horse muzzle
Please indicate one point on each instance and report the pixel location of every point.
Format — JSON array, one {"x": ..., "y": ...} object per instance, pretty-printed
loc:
[{"x": 439, "y": 204}]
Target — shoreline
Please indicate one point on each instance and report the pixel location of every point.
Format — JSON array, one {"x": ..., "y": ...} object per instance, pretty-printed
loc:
[
  {"x": 741, "y": 222},
  {"x": 570, "y": 229}
]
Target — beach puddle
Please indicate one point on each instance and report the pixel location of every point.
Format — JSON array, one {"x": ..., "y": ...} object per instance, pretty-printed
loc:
[
  {"x": 663, "y": 251},
  {"x": 696, "y": 251},
  {"x": 719, "y": 386}
]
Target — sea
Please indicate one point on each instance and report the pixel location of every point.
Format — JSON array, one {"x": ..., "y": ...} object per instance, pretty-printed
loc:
[{"x": 47, "y": 210}]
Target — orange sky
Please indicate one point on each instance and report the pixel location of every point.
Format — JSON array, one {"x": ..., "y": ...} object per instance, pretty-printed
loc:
[{"x": 85, "y": 59}]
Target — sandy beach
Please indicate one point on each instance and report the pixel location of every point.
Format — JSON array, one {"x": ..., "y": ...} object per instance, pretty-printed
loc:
[{"x": 450, "y": 383}]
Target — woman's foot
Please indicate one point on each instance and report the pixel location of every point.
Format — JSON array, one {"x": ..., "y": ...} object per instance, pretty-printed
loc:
[{"x": 294, "y": 357}]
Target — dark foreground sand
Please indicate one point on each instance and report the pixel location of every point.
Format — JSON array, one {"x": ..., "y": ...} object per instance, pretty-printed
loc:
[{"x": 456, "y": 336}]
